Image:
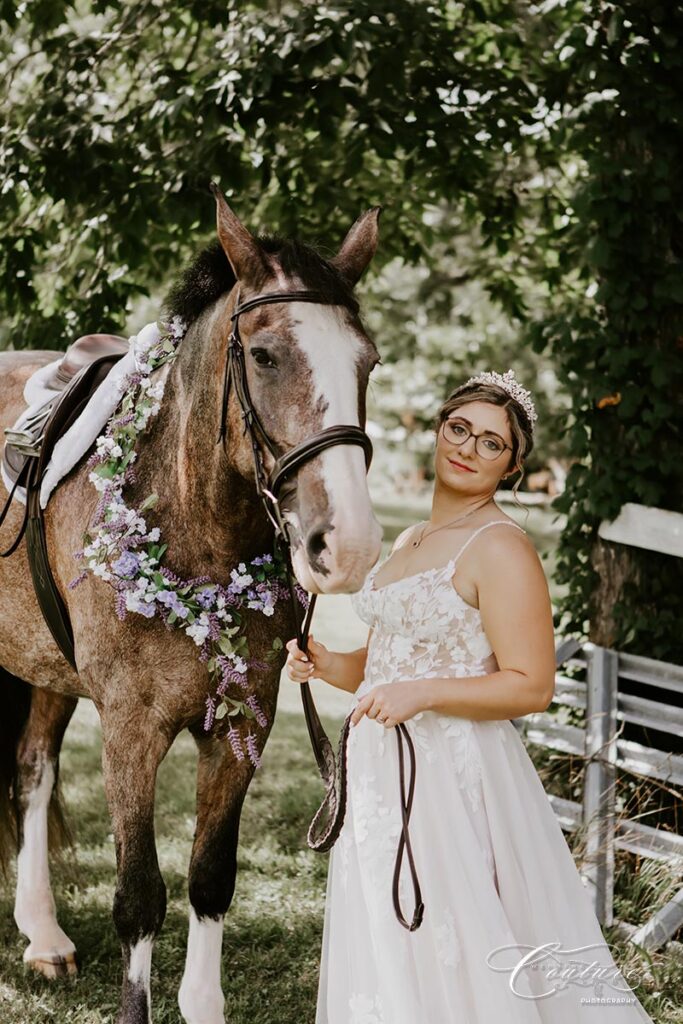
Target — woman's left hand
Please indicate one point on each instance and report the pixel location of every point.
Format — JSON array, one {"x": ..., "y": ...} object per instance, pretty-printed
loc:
[{"x": 391, "y": 703}]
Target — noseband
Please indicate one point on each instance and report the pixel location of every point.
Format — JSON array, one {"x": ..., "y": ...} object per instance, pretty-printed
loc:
[{"x": 329, "y": 819}]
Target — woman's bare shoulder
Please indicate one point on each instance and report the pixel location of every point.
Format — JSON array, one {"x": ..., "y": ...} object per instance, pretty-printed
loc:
[{"x": 506, "y": 550}]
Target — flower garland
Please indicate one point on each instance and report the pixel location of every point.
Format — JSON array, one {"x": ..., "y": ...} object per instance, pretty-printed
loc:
[{"x": 121, "y": 549}]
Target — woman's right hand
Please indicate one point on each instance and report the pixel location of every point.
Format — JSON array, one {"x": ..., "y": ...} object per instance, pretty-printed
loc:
[{"x": 300, "y": 667}]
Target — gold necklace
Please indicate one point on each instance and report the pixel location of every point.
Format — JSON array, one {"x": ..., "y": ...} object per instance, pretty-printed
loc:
[{"x": 458, "y": 519}]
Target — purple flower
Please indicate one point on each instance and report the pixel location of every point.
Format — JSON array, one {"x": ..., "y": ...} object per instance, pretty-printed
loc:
[
  {"x": 214, "y": 628},
  {"x": 77, "y": 579},
  {"x": 170, "y": 599},
  {"x": 252, "y": 703},
  {"x": 210, "y": 713},
  {"x": 206, "y": 597},
  {"x": 148, "y": 610},
  {"x": 236, "y": 743},
  {"x": 126, "y": 565},
  {"x": 252, "y": 749}
]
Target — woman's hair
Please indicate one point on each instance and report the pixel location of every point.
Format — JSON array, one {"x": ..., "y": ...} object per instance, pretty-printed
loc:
[{"x": 520, "y": 426}]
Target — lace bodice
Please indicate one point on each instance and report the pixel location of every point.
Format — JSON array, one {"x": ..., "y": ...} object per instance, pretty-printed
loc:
[{"x": 422, "y": 627}]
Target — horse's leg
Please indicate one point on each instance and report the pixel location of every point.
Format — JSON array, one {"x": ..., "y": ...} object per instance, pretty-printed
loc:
[
  {"x": 133, "y": 747},
  {"x": 222, "y": 784},
  {"x": 49, "y": 951}
]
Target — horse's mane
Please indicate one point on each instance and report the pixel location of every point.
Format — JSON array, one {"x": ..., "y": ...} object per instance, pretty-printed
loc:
[{"x": 209, "y": 275}]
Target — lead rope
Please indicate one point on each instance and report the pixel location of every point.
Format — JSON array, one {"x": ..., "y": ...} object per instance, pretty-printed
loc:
[
  {"x": 324, "y": 766},
  {"x": 338, "y": 773},
  {"x": 322, "y": 748}
]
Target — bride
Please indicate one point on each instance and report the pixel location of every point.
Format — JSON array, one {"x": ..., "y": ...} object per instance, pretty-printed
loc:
[{"x": 460, "y": 642}]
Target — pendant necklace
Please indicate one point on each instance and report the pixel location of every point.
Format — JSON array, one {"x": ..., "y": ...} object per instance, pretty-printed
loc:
[{"x": 416, "y": 543}]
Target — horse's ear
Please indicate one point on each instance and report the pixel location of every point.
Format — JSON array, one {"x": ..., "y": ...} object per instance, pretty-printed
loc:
[
  {"x": 247, "y": 258},
  {"x": 359, "y": 246}
]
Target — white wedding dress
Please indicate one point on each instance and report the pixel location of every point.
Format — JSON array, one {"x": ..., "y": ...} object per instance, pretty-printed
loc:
[{"x": 497, "y": 877}]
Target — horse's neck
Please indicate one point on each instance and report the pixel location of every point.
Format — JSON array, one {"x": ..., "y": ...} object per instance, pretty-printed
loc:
[{"x": 209, "y": 515}]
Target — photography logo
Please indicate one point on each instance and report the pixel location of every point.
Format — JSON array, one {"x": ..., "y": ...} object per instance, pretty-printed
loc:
[{"x": 540, "y": 972}]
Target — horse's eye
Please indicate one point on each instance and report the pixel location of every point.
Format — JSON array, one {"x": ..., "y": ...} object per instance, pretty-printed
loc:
[{"x": 261, "y": 357}]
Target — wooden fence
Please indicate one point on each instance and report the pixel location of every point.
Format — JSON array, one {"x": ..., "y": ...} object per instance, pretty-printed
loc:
[{"x": 599, "y": 741}]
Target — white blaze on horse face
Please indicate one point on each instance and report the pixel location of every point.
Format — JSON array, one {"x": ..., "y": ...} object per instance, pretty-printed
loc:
[
  {"x": 332, "y": 351},
  {"x": 34, "y": 908},
  {"x": 200, "y": 997}
]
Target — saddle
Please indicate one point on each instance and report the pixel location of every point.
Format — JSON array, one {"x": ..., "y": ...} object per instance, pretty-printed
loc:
[{"x": 28, "y": 450}]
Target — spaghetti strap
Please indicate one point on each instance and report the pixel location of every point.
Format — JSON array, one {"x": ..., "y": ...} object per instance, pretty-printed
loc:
[{"x": 494, "y": 522}]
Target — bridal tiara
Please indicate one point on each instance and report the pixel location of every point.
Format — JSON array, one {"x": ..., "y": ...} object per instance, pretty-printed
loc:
[{"x": 508, "y": 382}]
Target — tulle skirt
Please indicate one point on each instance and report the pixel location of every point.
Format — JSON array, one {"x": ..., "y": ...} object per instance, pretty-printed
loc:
[{"x": 509, "y": 933}]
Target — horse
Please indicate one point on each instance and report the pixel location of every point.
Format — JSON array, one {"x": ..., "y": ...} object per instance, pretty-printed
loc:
[{"x": 308, "y": 368}]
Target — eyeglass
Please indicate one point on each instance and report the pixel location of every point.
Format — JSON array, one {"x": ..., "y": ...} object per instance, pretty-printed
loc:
[{"x": 488, "y": 446}]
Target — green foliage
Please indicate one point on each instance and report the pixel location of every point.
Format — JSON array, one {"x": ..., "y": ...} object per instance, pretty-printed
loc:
[
  {"x": 120, "y": 114},
  {"x": 617, "y": 329},
  {"x": 533, "y": 149}
]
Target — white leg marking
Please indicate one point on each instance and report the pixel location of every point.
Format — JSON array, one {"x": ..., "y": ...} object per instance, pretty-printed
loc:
[
  {"x": 140, "y": 965},
  {"x": 34, "y": 907},
  {"x": 140, "y": 968},
  {"x": 200, "y": 997}
]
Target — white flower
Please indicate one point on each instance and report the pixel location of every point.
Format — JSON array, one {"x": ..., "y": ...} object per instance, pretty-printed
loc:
[
  {"x": 105, "y": 445},
  {"x": 154, "y": 535},
  {"x": 241, "y": 581},
  {"x": 240, "y": 664},
  {"x": 132, "y": 601},
  {"x": 101, "y": 570},
  {"x": 98, "y": 481},
  {"x": 198, "y": 631},
  {"x": 177, "y": 327}
]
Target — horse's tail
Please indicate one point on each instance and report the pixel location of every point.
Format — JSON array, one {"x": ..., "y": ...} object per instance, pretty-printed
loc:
[{"x": 15, "y": 697}]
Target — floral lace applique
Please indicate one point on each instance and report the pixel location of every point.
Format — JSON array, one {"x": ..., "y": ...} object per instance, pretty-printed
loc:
[
  {"x": 376, "y": 826},
  {"x": 464, "y": 756},
  {"x": 366, "y": 1009},
  {"x": 422, "y": 629},
  {"x": 449, "y": 949}
]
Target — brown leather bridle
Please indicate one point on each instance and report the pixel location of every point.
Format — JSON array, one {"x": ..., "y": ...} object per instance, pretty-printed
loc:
[{"x": 332, "y": 772}]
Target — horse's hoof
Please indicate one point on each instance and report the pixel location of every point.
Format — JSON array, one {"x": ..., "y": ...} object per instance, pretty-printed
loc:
[{"x": 55, "y": 967}]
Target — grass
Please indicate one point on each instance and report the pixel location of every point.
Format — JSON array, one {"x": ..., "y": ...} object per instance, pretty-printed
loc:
[{"x": 273, "y": 931}]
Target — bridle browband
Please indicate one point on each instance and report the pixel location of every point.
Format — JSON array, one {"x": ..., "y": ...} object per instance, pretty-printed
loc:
[{"x": 268, "y": 488}]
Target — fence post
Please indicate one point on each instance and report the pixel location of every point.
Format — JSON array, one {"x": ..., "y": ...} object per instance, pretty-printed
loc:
[{"x": 600, "y": 778}]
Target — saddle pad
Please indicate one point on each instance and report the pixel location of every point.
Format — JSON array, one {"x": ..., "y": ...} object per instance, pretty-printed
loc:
[{"x": 83, "y": 433}]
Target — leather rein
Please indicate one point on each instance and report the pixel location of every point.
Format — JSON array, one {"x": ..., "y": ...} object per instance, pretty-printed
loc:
[{"x": 332, "y": 772}]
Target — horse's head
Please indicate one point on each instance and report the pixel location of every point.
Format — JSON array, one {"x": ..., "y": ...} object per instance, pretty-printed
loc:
[{"x": 307, "y": 368}]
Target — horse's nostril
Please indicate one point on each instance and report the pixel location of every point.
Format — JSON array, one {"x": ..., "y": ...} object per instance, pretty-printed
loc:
[{"x": 315, "y": 543}]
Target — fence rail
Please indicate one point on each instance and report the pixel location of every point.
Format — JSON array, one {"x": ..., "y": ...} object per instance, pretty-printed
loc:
[{"x": 599, "y": 742}]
